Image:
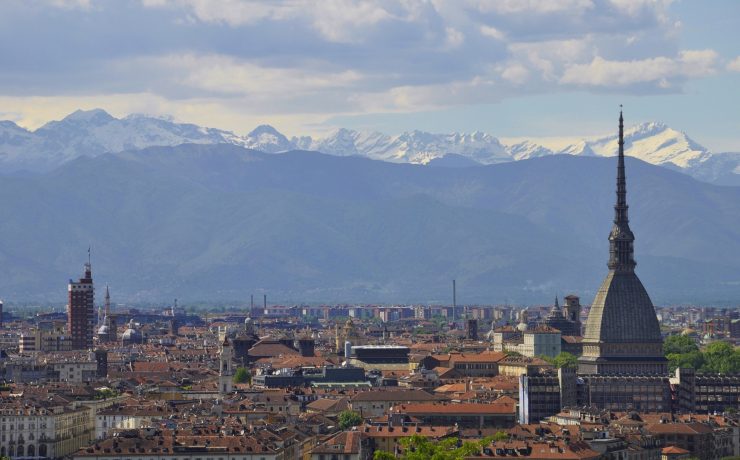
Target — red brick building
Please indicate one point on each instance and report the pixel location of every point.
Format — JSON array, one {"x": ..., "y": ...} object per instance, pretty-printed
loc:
[{"x": 81, "y": 310}]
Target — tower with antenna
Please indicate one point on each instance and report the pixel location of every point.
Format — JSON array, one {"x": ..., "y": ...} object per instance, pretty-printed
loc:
[{"x": 81, "y": 309}]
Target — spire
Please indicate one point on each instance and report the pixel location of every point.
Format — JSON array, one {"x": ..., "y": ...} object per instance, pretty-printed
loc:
[
  {"x": 621, "y": 239},
  {"x": 107, "y": 301},
  {"x": 557, "y": 305}
]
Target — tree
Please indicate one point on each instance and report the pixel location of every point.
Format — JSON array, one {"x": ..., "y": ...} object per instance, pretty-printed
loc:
[
  {"x": 242, "y": 375},
  {"x": 721, "y": 357},
  {"x": 348, "y": 419},
  {"x": 418, "y": 447},
  {"x": 679, "y": 344},
  {"x": 565, "y": 359},
  {"x": 694, "y": 360}
]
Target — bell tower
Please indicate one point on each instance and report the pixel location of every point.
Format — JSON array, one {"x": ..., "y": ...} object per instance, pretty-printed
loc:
[{"x": 226, "y": 370}]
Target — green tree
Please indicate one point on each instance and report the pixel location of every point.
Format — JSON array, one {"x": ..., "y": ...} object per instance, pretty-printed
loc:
[
  {"x": 420, "y": 448},
  {"x": 383, "y": 455},
  {"x": 721, "y": 357},
  {"x": 242, "y": 375},
  {"x": 565, "y": 359},
  {"x": 679, "y": 344},
  {"x": 694, "y": 360},
  {"x": 348, "y": 419}
]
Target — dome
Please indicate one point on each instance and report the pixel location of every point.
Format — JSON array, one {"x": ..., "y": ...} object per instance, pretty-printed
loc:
[
  {"x": 132, "y": 335},
  {"x": 622, "y": 312},
  {"x": 521, "y": 327}
]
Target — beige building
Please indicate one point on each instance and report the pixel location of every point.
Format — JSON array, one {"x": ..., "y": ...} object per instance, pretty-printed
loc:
[
  {"x": 49, "y": 428},
  {"x": 541, "y": 341},
  {"x": 49, "y": 336},
  {"x": 377, "y": 403}
]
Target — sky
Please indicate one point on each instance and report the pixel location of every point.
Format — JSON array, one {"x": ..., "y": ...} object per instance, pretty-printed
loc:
[{"x": 513, "y": 68}]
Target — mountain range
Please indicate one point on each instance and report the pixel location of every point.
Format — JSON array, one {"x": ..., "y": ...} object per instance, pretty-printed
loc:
[
  {"x": 216, "y": 221},
  {"x": 94, "y": 132}
]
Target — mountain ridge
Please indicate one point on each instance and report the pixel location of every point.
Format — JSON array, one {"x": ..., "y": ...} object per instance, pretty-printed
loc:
[
  {"x": 310, "y": 227},
  {"x": 93, "y": 132}
]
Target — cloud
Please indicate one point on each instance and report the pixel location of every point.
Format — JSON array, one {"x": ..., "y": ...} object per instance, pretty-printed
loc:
[
  {"x": 492, "y": 32},
  {"x": 515, "y": 73},
  {"x": 734, "y": 65},
  {"x": 338, "y": 57},
  {"x": 663, "y": 71}
]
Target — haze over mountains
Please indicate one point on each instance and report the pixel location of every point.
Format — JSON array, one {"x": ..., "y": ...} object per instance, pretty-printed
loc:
[
  {"x": 91, "y": 133},
  {"x": 220, "y": 222}
]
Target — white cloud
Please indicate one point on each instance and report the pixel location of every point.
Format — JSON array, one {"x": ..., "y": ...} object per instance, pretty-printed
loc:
[
  {"x": 71, "y": 4},
  {"x": 533, "y": 6},
  {"x": 224, "y": 74},
  {"x": 339, "y": 57},
  {"x": 335, "y": 20},
  {"x": 492, "y": 32},
  {"x": 734, "y": 65},
  {"x": 660, "y": 70},
  {"x": 454, "y": 39},
  {"x": 515, "y": 73}
]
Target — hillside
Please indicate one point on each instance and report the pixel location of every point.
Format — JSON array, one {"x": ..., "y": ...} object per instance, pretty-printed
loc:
[{"x": 218, "y": 222}]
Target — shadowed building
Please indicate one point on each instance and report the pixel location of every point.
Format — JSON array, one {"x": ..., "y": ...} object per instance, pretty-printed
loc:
[
  {"x": 81, "y": 310},
  {"x": 622, "y": 332}
]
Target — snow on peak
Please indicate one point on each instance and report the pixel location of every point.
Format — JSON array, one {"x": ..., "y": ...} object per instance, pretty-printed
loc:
[
  {"x": 97, "y": 116},
  {"x": 654, "y": 143},
  {"x": 93, "y": 132},
  {"x": 267, "y": 139}
]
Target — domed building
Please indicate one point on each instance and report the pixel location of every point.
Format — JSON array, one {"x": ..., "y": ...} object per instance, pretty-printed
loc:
[
  {"x": 523, "y": 321},
  {"x": 348, "y": 333},
  {"x": 557, "y": 319},
  {"x": 132, "y": 335},
  {"x": 245, "y": 339},
  {"x": 622, "y": 333}
]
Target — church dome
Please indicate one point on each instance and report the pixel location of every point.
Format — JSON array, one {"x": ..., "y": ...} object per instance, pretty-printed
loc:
[{"x": 132, "y": 335}]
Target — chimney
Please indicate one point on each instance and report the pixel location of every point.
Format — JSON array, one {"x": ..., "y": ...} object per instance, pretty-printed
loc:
[
  {"x": 264, "y": 301},
  {"x": 454, "y": 300}
]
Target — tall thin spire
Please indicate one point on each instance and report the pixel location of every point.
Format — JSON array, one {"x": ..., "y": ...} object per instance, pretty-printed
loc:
[
  {"x": 621, "y": 238},
  {"x": 107, "y": 301}
]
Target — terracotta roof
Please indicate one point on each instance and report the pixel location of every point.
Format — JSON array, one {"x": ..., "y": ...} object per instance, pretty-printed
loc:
[
  {"x": 500, "y": 406},
  {"x": 395, "y": 395},
  {"x": 329, "y": 405},
  {"x": 674, "y": 450},
  {"x": 679, "y": 428},
  {"x": 346, "y": 442},
  {"x": 381, "y": 431}
]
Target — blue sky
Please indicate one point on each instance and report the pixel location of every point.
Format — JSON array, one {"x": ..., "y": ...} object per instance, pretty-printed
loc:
[{"x": 514, "y": 68}]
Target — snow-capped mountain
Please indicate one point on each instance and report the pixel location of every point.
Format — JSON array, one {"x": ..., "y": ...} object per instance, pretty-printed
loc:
[
  {"x": 267, "y": 139},
  {"x": 654, "y": 143},
  {"x": 95, "y": 132}
]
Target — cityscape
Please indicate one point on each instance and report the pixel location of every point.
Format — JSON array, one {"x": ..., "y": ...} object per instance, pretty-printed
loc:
[{"x": 358, "y": 295}]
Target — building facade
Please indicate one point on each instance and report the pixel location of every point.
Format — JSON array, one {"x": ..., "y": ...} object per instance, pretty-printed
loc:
[{"x": 81, "y": 310}]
